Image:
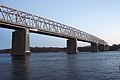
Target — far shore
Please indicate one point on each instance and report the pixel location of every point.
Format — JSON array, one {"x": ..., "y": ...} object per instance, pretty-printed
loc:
[{"x": 114, "y": 47}]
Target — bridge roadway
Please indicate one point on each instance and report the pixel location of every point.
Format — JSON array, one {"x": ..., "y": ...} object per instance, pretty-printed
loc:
[{"x": 23, "y": 23}]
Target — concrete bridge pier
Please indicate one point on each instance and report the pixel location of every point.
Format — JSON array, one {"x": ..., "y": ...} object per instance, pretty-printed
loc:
[
  {"x": 101, "y": 47},
  {"x": 106, "y": 47},
  {"x": 94, "y": 47},
  {"x": 20, "y": 43},
  {"x": 72, "y": 46}
]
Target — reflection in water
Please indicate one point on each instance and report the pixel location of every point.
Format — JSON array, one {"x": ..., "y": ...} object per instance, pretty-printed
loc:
[
  {"x": 60, "y": 66},
  {"x": 72, "y": 69},
  {"x": 20, "y": 68}
]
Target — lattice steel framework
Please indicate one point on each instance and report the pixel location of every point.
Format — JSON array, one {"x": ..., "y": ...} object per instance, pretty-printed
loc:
[{"x": 33, "y": 22}]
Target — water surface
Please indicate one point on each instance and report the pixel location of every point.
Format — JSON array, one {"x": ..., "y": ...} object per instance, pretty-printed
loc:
[{"x": 60, "y": 66}]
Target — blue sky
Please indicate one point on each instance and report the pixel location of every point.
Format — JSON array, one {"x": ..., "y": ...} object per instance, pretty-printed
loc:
[{"x": 98, "y": 17}]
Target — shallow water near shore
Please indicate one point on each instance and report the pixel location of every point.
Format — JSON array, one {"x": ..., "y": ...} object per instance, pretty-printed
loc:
[{"x": 60, "y": 66}]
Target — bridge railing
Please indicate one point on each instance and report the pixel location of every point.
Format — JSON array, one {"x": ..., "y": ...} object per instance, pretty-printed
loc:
[{"x": 38, "y": 23}]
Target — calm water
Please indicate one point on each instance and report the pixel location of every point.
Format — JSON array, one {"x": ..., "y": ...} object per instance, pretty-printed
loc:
[{"x": 60, "y": 66}]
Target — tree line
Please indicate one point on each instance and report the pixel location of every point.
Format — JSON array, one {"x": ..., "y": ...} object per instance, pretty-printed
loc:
[{"x": 114, "y": 47}]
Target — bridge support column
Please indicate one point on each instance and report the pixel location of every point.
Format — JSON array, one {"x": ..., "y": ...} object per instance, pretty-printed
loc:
[
  {"x": 106, "y": 48},
  {"x": 72, "y": 46},
  {"x": 20, "y": 43},
  {"x": 94, "y": 47},
  {"x": 101, "y": 47}
]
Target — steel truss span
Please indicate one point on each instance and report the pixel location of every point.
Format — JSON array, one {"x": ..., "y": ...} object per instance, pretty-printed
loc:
[{"x": 9, "y": 16}]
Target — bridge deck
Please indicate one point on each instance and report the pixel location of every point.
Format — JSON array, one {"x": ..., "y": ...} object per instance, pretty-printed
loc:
[{"x": 15, "y": 19}]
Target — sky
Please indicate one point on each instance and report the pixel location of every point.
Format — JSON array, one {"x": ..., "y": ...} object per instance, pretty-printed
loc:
[{"x": 97, "y": 17}]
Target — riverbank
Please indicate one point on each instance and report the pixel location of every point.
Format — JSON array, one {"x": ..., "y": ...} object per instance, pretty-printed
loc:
[
  {"x": 47, "y": 49},
  {"x": 57, "y": 49},
  {"x": 38, "y": 50}
]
